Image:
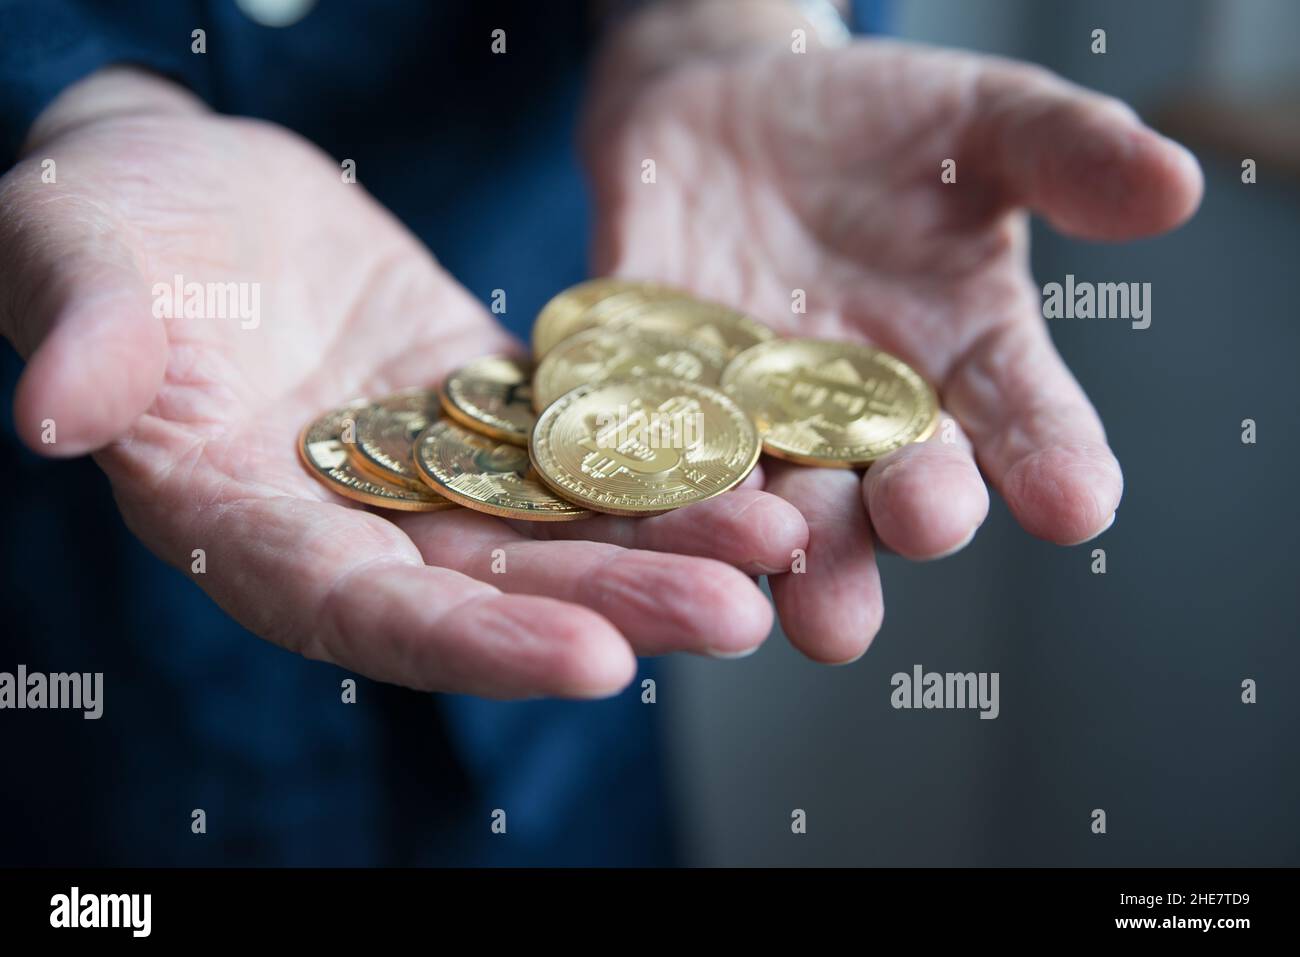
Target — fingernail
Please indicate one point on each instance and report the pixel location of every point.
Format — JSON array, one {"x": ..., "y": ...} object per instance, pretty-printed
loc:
[
  {"x": 733, "y": 655},
  {"x": 1097, "y": 534},
  {"x": 956, "y": 548},
  {"x": 847, "y": 661}
]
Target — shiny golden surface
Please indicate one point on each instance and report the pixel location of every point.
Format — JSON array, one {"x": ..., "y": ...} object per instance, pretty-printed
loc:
[
  {"x": 831, "y": 403},
  {"x": 643, "y": 446},
  {"x": 386, "y": 430},
  {"x": 326, "y": 457},
  {"x": 486, "y": 475},
  {"x": 492, "y": 395},
  {"x": 589, "y": 304},
  {"x": 604, "y": 354},
  {"x": 706, "y": 324},
  {"x": 649, "y": 400}
]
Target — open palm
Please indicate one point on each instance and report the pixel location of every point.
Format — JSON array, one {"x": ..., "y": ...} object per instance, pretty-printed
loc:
[
  {"x": 194, "y": 419},
  {"x": 821, "y": 173}
]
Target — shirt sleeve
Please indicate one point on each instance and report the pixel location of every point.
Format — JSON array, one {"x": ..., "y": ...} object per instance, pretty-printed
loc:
[{"x": 47, "y": 45}]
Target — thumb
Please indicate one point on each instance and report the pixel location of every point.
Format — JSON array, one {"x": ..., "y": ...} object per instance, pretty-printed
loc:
[
  {"x": 75, "y": 305},
  {"x": 1082, "y": 160}
]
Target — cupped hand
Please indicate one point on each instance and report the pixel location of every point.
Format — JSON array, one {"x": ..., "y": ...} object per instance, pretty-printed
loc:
[
  {"x": 821, "y": 172},
  {"x": 195, "y": 420}
]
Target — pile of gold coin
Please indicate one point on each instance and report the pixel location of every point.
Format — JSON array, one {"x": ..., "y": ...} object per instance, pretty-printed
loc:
[{"x": 640, "y": 399}]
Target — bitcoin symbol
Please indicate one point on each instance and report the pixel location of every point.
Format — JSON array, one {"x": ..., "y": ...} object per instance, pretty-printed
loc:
[
  {"x": 680, "y": 365},
  {"x": 500, "y": 458},
  {"x": 837, "y": 394},
  {"x": 609, "y": 457}
]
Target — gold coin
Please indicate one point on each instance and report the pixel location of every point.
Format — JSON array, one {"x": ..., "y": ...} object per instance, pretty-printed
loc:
[
  {"x": 386, "y": 430},
  {"x": 326, "y": 457},
  {"x": 831, "y": 403},
  {"x": 604, "y": 354},
  {"x": 492, "y": 395},
  {"x": 705, "y": 323},
  {"x": 588, "y": 304},
  {"x": 486, "y": 475},
  {"x": 643, "y": 446}
]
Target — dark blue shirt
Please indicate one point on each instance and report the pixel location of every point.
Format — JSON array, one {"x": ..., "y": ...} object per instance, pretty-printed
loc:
[{"x": 474, "y": 153}]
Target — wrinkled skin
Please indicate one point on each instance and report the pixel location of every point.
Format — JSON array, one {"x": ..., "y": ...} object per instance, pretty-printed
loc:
[
  {"x": 195, "y": 420},
  {"x": 821, "y": 172},
  {"x": 773, "y": 174}
]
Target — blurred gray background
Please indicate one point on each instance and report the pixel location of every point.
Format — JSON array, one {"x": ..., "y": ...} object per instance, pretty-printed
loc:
[{"x": 1119, "y": 691}]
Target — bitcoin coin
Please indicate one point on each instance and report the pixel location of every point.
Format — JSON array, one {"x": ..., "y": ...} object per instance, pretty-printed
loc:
[
  {"x": 486, "y": 475},
  {"x": 831, "y": 403},
  {"x": 386, "y": 430},
  {"x": 492, "y": 395},
  {"x": 704, "y": 323},
  {"x": 587, "y": 305},
  {"x": 603, "y": 354},
  {"x": 643, "y": 446},
  {"x": 326, "y": 457}
]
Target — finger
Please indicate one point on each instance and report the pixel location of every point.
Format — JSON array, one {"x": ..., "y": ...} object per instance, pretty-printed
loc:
[
  {"x": 660, "y": 602},
  {"x": 1083, "y": 160},
  {"x": 75, "y": 306},
  {"x": 926, "y": 500},
  {"x": 1037, "y": 437},
  {"x": 754, "y": 531},
  {"x": 434, "y": 629},
  {"x": 833, "y": 608},
  {"x": 343, "y": 585},
  {"x": 755, "y": 479}
]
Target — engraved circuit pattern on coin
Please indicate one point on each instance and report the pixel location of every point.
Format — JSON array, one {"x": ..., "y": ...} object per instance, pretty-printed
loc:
[
  {"x": 622, "y": 415},
  {"x": 493, "y": 395},
  {"x": 643, "y": 446},
  {"x": 708, "y": 324},
  {"x": 487, "y": 475},
  {"x": 326, "y": 457},
  {"x": 832, "y": 404},
  {"x": 588, "y": 304},
  {"x": 386, "y": 431},
  {"x": 604, "y": 354}
]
